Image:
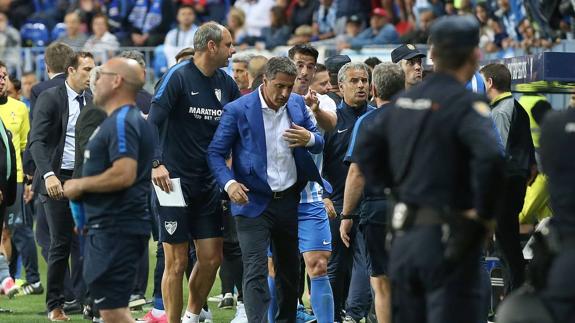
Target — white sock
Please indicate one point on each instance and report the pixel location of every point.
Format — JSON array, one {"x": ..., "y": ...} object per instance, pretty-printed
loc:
[
  {"x": 157, "y": 312},
  {"x": 190, "y": 317}
]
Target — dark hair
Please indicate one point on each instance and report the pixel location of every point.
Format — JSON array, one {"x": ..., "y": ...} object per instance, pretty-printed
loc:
[
  {"x": 372, "y": 62},
  {"x": 305, "y": 49},
  {"x": 186, "y": 6},
  {"x": 280, "y": 15},
  {"x": 74, "y": 60},
  {"x": 2, "y": 64},
  {"x": 277, "y": 65},
  {"x": 57, "y": 56},
  {"x": 320, "y": 68},
  {"x": 500, "y": 76},
  {"x": 449, "y": 58},
  {"x": 17, "y": 84},
  {"x": 100, "y": 15}
]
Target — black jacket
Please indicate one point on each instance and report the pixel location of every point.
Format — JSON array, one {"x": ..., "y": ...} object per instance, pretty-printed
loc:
[
  {"x": 48, "y": 133},
  {"x": 7, "y": 186},
  {"x": 89, "y": 119}
]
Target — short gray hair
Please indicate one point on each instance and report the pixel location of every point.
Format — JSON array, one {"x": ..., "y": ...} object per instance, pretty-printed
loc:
[
  {"x": 388, "y": 80},
  {"x": 341, "y": 75},
  {"x": 135, "y": 55},
  {"x": 279, "y": 65},
  {"x": 208, "y": 31},
  {"x": 244, "y": 59}
]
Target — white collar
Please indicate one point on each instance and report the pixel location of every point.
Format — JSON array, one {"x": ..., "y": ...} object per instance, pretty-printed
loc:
[
  {"x": 71, "y": 93},
  {"x": 265, "y": 105}
]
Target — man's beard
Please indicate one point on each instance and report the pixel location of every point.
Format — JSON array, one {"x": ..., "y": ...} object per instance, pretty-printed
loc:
[{"x": 3, "y": 98}]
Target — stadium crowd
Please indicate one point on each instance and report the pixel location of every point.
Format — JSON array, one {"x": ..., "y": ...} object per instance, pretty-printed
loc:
[{"x": 277, "y": 163}]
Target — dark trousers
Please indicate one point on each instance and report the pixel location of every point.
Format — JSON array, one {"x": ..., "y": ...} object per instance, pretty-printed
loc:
[
  {"x": 339, "y": 266},
  {"x": 61, "y": 225},
  {"x": 559, "y": 293},
  {"x": 507, "y": 232},
  {"x": 141, "y": 277},
  {"x": 427, "y": 289},
  {"x": 359, "y": 297},
  {"x": 278, "y": 224},
  {"x": 231, "y": 270},
  {"x": 20, "y": 222}
]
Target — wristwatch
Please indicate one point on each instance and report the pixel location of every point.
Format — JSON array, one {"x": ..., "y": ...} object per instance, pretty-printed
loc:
[
  {"x": 343, "y": 216},
  {"x": 156, "y": 163}
]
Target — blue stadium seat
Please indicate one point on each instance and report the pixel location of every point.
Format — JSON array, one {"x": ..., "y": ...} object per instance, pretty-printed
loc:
[
  {"x": 58, "y": 30},
  {"x": 35, "y": 34},
  {"x": 160, "y": 62}
]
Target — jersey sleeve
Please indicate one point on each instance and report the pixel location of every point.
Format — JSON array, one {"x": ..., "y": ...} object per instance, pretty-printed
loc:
[{"x": 124, "y": 140}]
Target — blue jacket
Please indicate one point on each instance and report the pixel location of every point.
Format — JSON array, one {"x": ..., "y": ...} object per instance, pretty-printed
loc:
[
  {"x": 386, "y": 35},
  {"x": 241, "y": 130}
]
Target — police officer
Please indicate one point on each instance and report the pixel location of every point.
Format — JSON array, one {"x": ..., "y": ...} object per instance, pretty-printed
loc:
[
  {"x": 410, "y": 59},
  {"x": 557, "y": 153},
  {"x": 443, "y": 163}
]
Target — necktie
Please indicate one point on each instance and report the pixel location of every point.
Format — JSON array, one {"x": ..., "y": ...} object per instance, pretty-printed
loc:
[
  {"x": 80, "y": 99},
  {"x": 4, "y": 136}
]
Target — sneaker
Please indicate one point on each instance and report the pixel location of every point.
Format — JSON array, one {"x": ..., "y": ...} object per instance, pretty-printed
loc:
[
  {"x": 227, "y": 302},
  {"x": 349, "y": 319},
  {"x": 150, "y": 318},
  {"x": 73, "y": 307},
  {"x": 241, "y": 316},
  {"x": 216, "y": 298},
  {"x": 303, "y": 316},
  {"x": 206, "y": 316},
  {"x": 32, "y": 289},
  {"x": 9, "y": 287},
  {"x": 136, "y": 302}
]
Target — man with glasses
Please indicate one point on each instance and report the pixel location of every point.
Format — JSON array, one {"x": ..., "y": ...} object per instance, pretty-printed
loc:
[{"x": 409, "y": 59}]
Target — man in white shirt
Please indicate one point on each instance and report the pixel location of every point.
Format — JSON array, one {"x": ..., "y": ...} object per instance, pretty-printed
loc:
[{"x": 181, "y": 36}]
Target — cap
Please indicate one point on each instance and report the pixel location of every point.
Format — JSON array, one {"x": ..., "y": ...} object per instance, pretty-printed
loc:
[
  {"x": 379, "y": 12},
  {"x": 354, "y": 19},
  {"x": 334, "y": 63},
  {"x": 455, "y": 32},
  {"x": 405, "y": 51}
]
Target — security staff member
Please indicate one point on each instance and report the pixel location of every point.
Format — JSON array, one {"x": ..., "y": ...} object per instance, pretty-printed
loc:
[
  {"x": 354, "y": 85},
  {"x": 557, "y": 153},
  {"x": 443, "y": 163},
  {"x": 410, "y": 59}
]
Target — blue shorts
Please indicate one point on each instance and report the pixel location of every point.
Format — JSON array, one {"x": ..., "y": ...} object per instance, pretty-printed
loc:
[
  {"x": 200, "y": 219},
  {"x": 313, "y": 227},
  {"x": 110, "y": 264}
]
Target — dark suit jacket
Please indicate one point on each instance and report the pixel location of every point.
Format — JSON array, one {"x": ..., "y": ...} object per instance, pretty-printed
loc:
[
  {"x": 48, "y": 133},
  {"x": 241, "y": 130},
  {"x": 27, "y": 161},
  {"x": 7, "y": 186},
  {"x": 89, "y": 119}
]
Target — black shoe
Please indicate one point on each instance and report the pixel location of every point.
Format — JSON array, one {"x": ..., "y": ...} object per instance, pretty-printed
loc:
[
  {"x": 227, "y": 302},
  {"x": 29, "y": 289},
  {"x": 72, "y": 307}
]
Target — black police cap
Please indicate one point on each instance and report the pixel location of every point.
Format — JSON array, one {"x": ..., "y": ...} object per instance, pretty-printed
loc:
[
  {"x": 334, "y": 63},
  {"x": 455, "y": 32},
  {"x": 405, "y": 51}
]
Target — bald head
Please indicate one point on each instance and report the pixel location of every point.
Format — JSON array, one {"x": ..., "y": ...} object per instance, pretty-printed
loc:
[{"x": 129, "y": 70}]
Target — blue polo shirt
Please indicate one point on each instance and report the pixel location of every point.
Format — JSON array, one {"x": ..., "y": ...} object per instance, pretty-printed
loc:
[
  {"x": 186, "y": 109},
  {"x": 123, "y": 134},
  {"x": 335, "y": 148}
]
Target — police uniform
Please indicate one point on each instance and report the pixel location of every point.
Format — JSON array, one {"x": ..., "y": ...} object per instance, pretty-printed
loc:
[
  {"x": 557, "y": 153},
  {"x": 186, "y": 108},
  {"x": 405, "y": 51},
  {"x": 333, "y": 64},
  {"x": 440, "y": 155}
]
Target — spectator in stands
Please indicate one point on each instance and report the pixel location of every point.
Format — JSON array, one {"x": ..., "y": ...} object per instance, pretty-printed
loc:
[
  {"x": 117, "y": 13},
  {"x": 257, "y": 17},
  {"x": 509, "y": 18},
  {"x": 74, "y": 36},
  {"x": 240, "y": 72},
  {"x": 449, "y": 8},
  {"x": 324, "y": 20},
  {"x": 256, "y": 68},
  {"x": 348, "y": 8},
  {"x": 352, "y": 29},
  {"x": 183, "y": 35},
  {"x": 10, "y": 42},
  {"x": 102, "y": 44},
  {"x": 572, "y": 102},
  {"x": 236, "y": 23},
  {"x": 14, "y": 87},
  {"x": 19, "y": 10},
  {"x": 487, "y": 34},
  {"x": 149, "y": 21},
  {"x": 302, "y": 35},
  {"x": 421, "y": 32},
  {"x": 28, "y": 81},
  {"x": 380, "y": 32},
  {"x": 302, "y": 13},
  {"x": 320, "y": 82},
  {"x": 278, "y": 33},
  {"x": 87, "y": 9}
]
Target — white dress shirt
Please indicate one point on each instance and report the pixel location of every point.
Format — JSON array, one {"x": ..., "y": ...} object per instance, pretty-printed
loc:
[
  {"x": 70, "y": 143},
  {"x": 281, "y": 167}
]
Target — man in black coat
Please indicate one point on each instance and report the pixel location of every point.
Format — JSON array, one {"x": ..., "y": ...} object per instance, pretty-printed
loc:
[{"x": 52, "y": 145}]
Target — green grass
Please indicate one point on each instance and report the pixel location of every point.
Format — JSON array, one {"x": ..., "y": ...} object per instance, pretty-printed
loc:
[{"x": 27, "y": 309}]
